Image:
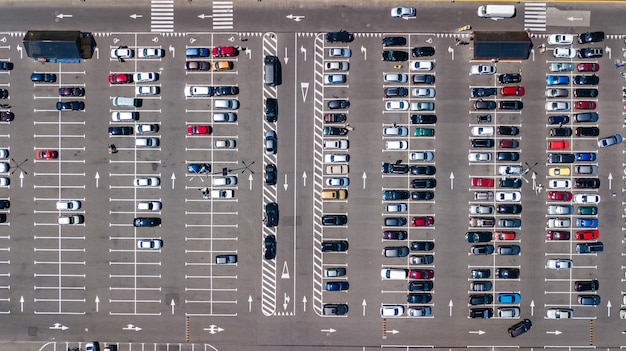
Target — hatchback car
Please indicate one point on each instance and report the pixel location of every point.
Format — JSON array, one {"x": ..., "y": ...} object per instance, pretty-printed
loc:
[
  {"x": 394, "y": 55},
  {"x": 564, "y": 52},
  {"x": 482, "y": 69},
  {"x": 395, "y": 235},
  {"x": 481, "y": 285},
  {"x": 395, "y": 221},
  {"x": 481, "y": 104},
  {"x": 423, "y": 51},
  {"x": 511, "y": 105},
  {"x": 271, "y": 214},
  {"x": 394, "y": 41},
  {"x": 587, "y": 131},
  {"x": 590, "y": 53},
  {"x": 510, "y": 78},
  {"x": 586, "y": 285},
  {"x": 341, "y": 36},
  {"x": 339, "y": 52},
  {"x": 520, "y": 328}
]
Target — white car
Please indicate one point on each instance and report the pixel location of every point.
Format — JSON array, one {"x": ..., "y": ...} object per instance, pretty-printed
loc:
[
  {"x": 225, "y": 144},
  {"x": 151, "y": 53},
  {"x": 146, "y": 128},
  {"x": 150, "y": 244},
  {"x": 421, "y": 156},
  {"x": 559, "y": 313},
  {"x": 224, "y": 181},
  {"x": 338, "y": 181},
  {"x": 4, "y": 167},
  {"x": 396, "y": 145},
  {"x": 557, "y": 106},
  {"x": 5, "y": 181},
  {"x": 508, "y": 196},
  {"x": 4, "y": 153},
  {"x": 399, "y": 105},
  {"x": 149, "y": 206},
  {"x": 482, "y": 131},
  {"x": 559, "y": 184},
  {"x": 337, "y": 66},
  {"x": 481, "y": 209},
  {"x": 479, "y": 157},
  {"x": 510, "y": 170},
  {"x": 71, "y": 220},
  {"x": 336, "y": 158},
  {"x": 198, "y": 90},
  {"x": 424, "y": 92},
  {"x": 147, "y": 90},
  {"x": 560, "y": 209},
  {"x": 587, "y": 199},
  {"x": 147, "y": 181},
  {"x": 559, "y": 223},
  {"x": 402, "y": 12},
  {"x": 339, "y": 52},
  {"x": 482, "y": 69},
  {"x": 122, "y": 53},
  {"x": 397, "y": 207},
  {"x": 145, "y": 77},
  {"x": 559, "y": 263},
  {"x": 391, "y": 311},
  {"x": 560, "y": 39},
  {"x": 336, "y": 144},
  {"x": 335, "y": 78},
  {"x": 421, "y": 65},
  {"x": 222, "y": 194},
  {"x": 68, "y": 205},
  {"x": 564, "y": 52},
  {"x": 395, "y": 131},
  {"x": 396, "y": 78}
]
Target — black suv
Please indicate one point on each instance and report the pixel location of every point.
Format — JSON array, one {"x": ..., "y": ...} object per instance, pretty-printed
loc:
[
  {"x": 394, "y": 55},
  {"x": 271, "y": 214},
  {"x": 511, "y": 105},
  {"x": 147, "y": 222},
  {"x": 423, "y": 79},
  {"x": 482, "y": 143},
  {"x": 585, "y": 92},
  {"x": 586, "y": 80},
  {"x": 425, "y": 285},
  {"x": 509, "y": 78},
  {"x": 423, "y": 183},
  {"x": 341, "y": 36},
  {"x": 333, "y": 220},
  {"x": 334, "y": 246},
  {"x": 400, "y": 168},
  {"x": 271, "y": 174},
  {"x": 269, "y": 247},
  {"x": 587, "y": 131},
  {"x": 120, "y": 130},
  {"x": 396, "y": 92},
  {"x": 561, "y": 158},
  {"x": 394, "y": 41},
  {"x": 510, "y": 183},
  {"x": 507, "y": 273},
  {"x": 508, "y": 130},
  {"x": 520, "y": 328},
  {"x": 422, "y": 195},
  {"x": 271, "y": 110},
  {"x": 427, "y": 170},
  {"x": 590, "y": 53},
  {"x": 481, "y": 313},
  {"x": 226, "y": 90},
  {"x": 423, "y": 51},
  {"x": 510, "y": 208},
  {"x": 338, "y": 104},
  {"x": 587, "y": 183},
  {"x": 565, "y": 131},
  {"x": 586, "y": 285},
  {"x": 423, "y": 119},
  {"x": 335, "y": 131},
  {"x": 484, "y": 92},
  {"x": 590, "y": 37}
]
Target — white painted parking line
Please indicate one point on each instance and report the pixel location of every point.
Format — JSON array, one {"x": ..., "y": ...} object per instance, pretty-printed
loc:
[
  {"x": 39, "y": 174},
  {"x": 211, "y": 225},
  {"x": 136, "y": 161},
  {"x": 58, "y": 186}
]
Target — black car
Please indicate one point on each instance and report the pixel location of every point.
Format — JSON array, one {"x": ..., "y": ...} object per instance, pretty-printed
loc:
[
  {"x": 478, "y": 237},
  {"x": 120, "y": 130},
  {"x": 394, "y": 41},
  {"x": 587, "y": 131},
  {"x": 423, "y": 119},
  {"x": 43, "y": 77},
  {"x": 4, "y": 204},
  {"x": 226, "y": 90},
  {"x": 422, "y": 285},
  {"x": 6, "y": 66},
  {"x": 511, "y": 105},
  {"x": 482, "y": 299},
  {"x": 586, "y": 93},
  {"x": 7, "y": 116},
  {"x": 335, "y": 131},
  {"x": 333, "y": 220},
  {"x": 4, "y": 94},
  {"x": 586, "y": 80},
  {"x": 72, "y": 91},
  {"x": 520, "y": 328},
  {"x": 423, "y": 51},
  {"x": 480, "y": 274},
  {"x": 269, "y": 247},
  {"x": 423, "y": 183},
  {"x": 422, "y": 245},
  {"x": 508, "y": 130},
  {"x": 481, "y": 313},
  {"x": 70, "y": 105},
  {"x": 334, "y": 246},
  {"x": 561, "y": 158},
  {"x": 341, "y": 36},
  {"x": 271, "y": 174},
  {"x": 391, "y": 195},
  {"x": 422, "y": 195},
  {"x": 507, "y": 156},
  {"x": 565, "y": 131},
  {"x": 482, "y": 249},
  {"x": 426, "y": 170},
  {"x": 147, "y": 222},
  {"x": 419, "y": 298},
  {"x": 338, "y": 104},
  {"x": 590, "y": 37},
  {"x": 587, "y": 183},
  {"x": 507, "y": 273},
  {"x": 396, "y": 92},
  {"x": 482, "y": 143},
  {"x": 481, "y": 104},
  {"x": 424, "y": 79},
  {"x": 395, "y": 55},
  {"x": 395, "y": 235},
  {"x": 395, "y": 221},
  {"x": 335, "y": 118},
  {"x": 510, "y": 183},
  {"x": 589, "y": 300},
  {"x": 590, "y": 53},
  {"x": 588, "y": 248},
  {"x": 484, "y": 92},
  {"x": 509, "y": 208},
  {"x": 271, "y": 110},
  {"x": 586, "y": 285},
  {"x": 271, "y": 214},
  {"x": 335, "y": 309},
  {"x": 508, "y": 78},
  {"x": 399, "y": 168}
]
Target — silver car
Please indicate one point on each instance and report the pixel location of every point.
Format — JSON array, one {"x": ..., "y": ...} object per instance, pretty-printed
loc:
[{"x": 339, "y": 52}]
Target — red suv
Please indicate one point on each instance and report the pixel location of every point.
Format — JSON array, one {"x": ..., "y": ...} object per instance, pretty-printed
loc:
[
  {"x": 224, "y": 51},
  {"x": 483, "y": 182},
  {"x": 512, "y": 91}
]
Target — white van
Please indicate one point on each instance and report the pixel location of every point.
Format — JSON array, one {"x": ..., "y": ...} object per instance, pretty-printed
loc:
[
  {"x": 124, "y": 116},
  {"x": 120, "y": 101},
  {"x": 396, "y": 145},
  {"x": 147, "y": 142},
  {"x": 496, "y": 11},
  {"x": 393, "y": 273}
]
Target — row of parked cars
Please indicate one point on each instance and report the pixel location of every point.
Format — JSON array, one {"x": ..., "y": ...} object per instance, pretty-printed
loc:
[{"x": 5, "y": 116}]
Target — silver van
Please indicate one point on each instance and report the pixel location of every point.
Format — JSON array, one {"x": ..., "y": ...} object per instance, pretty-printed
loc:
[
  {"x": 496, "y": 11},
  {"x": 120, "y": 101}
]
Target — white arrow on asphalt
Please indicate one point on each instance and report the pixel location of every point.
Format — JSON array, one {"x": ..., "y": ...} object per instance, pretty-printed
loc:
[
  {"x": 286, "y": 58},
  {"x": 249, "y": 303},
  {"x": 534, "y": 177},
  {"x": 304, "y": 178},
  {"x": 610, "y": 178},
  {"x": 286, "y": 300},
  {"x": 172, "y": 304},
  {"x": 608, "y": 309},
  {"x": 97, "y": 303},
  {"x": 393, "y": 331},
  {"x": 363, "y": 304},
  {"x": 60, "y": 15},
  {"x": 451, "y": 180},
  {"x": 450, "y": 304},
  {"x": 203, "y": 16},
  {"x": 135, "y": 16},
  {"x": 608, "y": 51},
  {"x": 172, "y": 51},
  {"x": 572, "y": 18},
  {"x": 451, "y": 51},
  {"x": 303, "y": 51},
  {"x": 304, "y": 303},
  {"x": 330, "y": 330},
  {"x": 364, "y": 178},
  {"x": 131, "y": 327},
  {"x": 286, "y": 185},
  {"x": 556, "y": 332},
  {"x": 97, "y": 50},
  {"x": 295, "y": 17},
  {"x": 364, "y": 52},
  {"x": 250, "y": 178},
  {"x": 21, "y": 179},
  {"x": 59, "y": 326},
  {"x": 22, "y": 303},
  {"x": 97, "y": 179},
  {"x": 532, "y": 307},
  {"x": 173, "y": 178},
  {"x": 479, "y": 332},
  {"x": 213, "y": 329}
]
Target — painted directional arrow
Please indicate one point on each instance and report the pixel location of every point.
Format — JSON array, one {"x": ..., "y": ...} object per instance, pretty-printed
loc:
[
  {"x": 393, "y": 331},
  {"x": 286, "y": 185},
  {"x": 479, "y": 332},
  {"x": 450, "y": 304},
  {"x": 608, "y": 309},
  {"x": 21, "y": 303},
  {"x": 451, "y": 51},
  {"x": 304, "y": 303},
  {"x": 131, "y": 327},
  {"x": 451, "y": 180},
  {"x": 556, "y": 332},
  {"x": 295, "y": 17},
  {"x": 330, "y": 330},
  {"x": 60, "y": 15},
  {"x": 203, "y": 16},
  {"x": 173, "y": 304},
  {"x": 304, "y": 178},
  {"x": 532, "y": 307},
  {"x": 250, "y": 179},
  {"x": 97, "y": 303},
  {"x": 364, "y": 304},
  {"x": 610, "y": 178},
  {"x": 572, "y": 18},
  {"x": 364, "y": 178},
  {"x": 97, "y": 180},
  {"x": 364, "y": 51},
  {"x": 135, "y": 16},
  {"x": 59, "y": 326},
  {"x": 213, "y": 329},
  {"x": 249, "y": 303},
  {"x": 303, "y": 51}
]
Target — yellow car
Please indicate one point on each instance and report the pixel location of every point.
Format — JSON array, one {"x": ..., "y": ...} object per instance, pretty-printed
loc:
[
  {"x": 223, "y": 65},
  {"x": 559, "y": 171}
]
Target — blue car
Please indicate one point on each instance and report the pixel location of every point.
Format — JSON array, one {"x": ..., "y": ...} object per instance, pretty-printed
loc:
[
  {"x": 509, "y": 298},
  {"x": 198, "y": 168},
  {"x": 43, "y": 77},
  {"x": 197, "y": 52},
  {"x": 557, "y": 80},
  {"x": 558, "y": 120},
  {"x": 585, "y": 156},
  {"x": 336, "y": 286},
  {"x": 587, "y": 222}
]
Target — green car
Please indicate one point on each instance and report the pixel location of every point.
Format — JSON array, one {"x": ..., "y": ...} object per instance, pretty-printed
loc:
[
  {"x": 424, "y": 132},
  {"x": 588, "y": 210}
]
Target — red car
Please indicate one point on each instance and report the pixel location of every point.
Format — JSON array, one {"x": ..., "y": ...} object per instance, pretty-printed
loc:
[
  {"x": 512, "y": 91},
  {"x": 588, "y": 67},
  {"x": 224, "y": 51},
  {"x": 559, "y": 196},
  {"x": 199, "y": 130},
  {"x": 120, "y": 78},
  {"x": 585, "y": 105},
  {"x": 482, "y": 182},
  {"x": 557, "y": 235},
  {"x": 421, "y": 274},
  {"x": 47, "y": 154},
  {"x": 422, "y": 221},
  {"x": 558, "y": 145},
  {"x": 587, "y": 235},
  {"x": 503, "y": 236},
  {"x": 509, "y": 143}
]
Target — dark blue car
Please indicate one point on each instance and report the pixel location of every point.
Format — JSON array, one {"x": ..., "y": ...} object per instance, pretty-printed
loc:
[
  {"x": 198, "y": 168},
  {"x": 43, "y": 77},
  {"x": 558, "y": 120},
  {"x": 337, "y": 286},
  {"x": 585, "y": 156}
]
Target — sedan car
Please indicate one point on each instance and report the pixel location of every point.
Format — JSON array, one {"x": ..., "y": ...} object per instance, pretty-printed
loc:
[
  {"x": 337, "y": 66},
  {"x": 479, "y": 157},
  {"x": 35, "y": 77},
  {"x": 341, "y": 36},
  {"x": 147, "y": 222},
  {"x": 269, "y": 247},
  {"x": 150, "y": 53},
  {"x": 588, "y": 67},
  {"x": 590, "y": 37},
  {"x": 586, "y": 80},
  {"x": 557, "y": 93},
  {"x": 150, "y": 244},
  {"x": 334, "y": 220},
  {"x": 510, "y": 78},
  {"x": 587, "y": 222},
  {"x": 482, "y": 69},
  {"x": 560, "y": 39},
  {"x": 564, "y": 52},
  {"x": 590, "y": 300},
  {"x": 147, "y": 182},
  {"x": 507, "y": 273},
  {"x": 396, "y": 92},
  {"x": 481, "y": 104},
  {"x": 515, "y": 105},
  {"x": 424, "y": 92},
  {"x": 509, "y": 196},
  {"x": 421, "y": 274},
  {"x": 483, "y": 182},
  {"x": 199, "y": 130},
  {"x": 587, "y": 235},
  {"x": 402, "y": 12},
  {"x": 337, "y": 285},
  {"x": 509, "y": 209},
  {"x": 72, "y": 91},
  {"x": 70, "y": 105},
  {"x": 394, "y": 55},
  {"x": 120, "y": 78},
  {"x": 512, "y": 91},
  {"x": 47, "y": 154},
  {"x": 520, "y": 328},
  {"x": 395, "y": 235},
  {"x": 397, "y": 105},
  {"x": 339, "y": 52},
  {"x": 338, "y": 104},
  {"x": 334, "y": 246},
  {"x": 559, "y": 222},
  {"x": 423, "y": 285},
  {"x": 395, "y": 221},
  {"x": 482, "y": 249},
  {"x": 557, "y": 80},
  {"x": 559, "y": 263},
  {"x": 509, "y": 298},
  {"x": 421, "y": 51},
  {"x": 426, "y": 221},
  {"x": 557, "y": 235},
  {"x": 422, "y": 245},
  {"x": 587, "y": 198},
  {"x": 197, "y": 66},
  {"x": 557, "y": 105},
  {"x": 590, "y": 53},
  {"x": 120, "y": 130},
  {"x": 610, "y": 141},
  {"x": 394, "y": 41},
  {"x": 586, "y": 285},
  {"x": 561, "y": 67},
  {"x": 483, "y": 92},
  {"x": 584, "y": 105},
  {"x": 271, "y": 143},
  {"x": 560, "y": 210}
]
